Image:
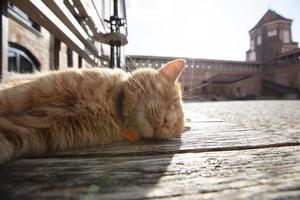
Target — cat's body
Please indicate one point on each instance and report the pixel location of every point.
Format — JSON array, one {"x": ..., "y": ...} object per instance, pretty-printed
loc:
[{"x": 80, "y": 108}]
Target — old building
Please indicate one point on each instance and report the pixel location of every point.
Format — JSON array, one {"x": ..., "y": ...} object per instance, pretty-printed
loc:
[
  {"x": 270, "y": 38},
  {"x": 272, "y": 66},
  {"x": 55, "y": 35},
  {"x": 207, "y": 78},
  {"x": 271, "y": 44}
]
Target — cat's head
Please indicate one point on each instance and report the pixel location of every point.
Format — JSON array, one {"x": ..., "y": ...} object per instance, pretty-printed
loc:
[{"x": 152, "y": 101}]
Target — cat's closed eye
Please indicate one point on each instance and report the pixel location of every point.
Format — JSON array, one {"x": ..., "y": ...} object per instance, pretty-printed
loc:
[{"x": 81, "y": 108}]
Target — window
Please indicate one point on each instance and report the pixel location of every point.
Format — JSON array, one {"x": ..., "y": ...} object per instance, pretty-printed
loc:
[
  {"x": 252, "y": 56},
  {"x": 286, "y": 36},
  {"x": 79, "y": 62},
  {"x": 284, "y": 49},
  {"x": 272, "y": 33},
  {"x": 21, "y": 60},
  {"x": 56, "y": 47},
  {"x": 70, "y": 57},
  {"x": 252, "y": 44},
  {"x": 12, "y": 61},
  {"x": 22, "y": 17},
  {"x": 258, "y": 40}
]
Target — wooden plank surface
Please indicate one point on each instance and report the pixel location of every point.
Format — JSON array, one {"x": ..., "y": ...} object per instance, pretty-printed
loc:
[
  {"x": 205, "y": 134},
  {"x": 263, "y": 173},
  {"x": 213, "y": 160}
]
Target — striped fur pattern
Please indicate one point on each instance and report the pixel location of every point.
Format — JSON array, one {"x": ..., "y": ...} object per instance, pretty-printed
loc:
[{"x": 81, "y": 108}]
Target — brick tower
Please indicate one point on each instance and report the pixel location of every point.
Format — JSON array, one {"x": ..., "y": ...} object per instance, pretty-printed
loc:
[{"x": 270, "y": 38}]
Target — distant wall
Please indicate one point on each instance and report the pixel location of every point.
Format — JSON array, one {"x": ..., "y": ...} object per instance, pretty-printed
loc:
[
  {"x": 288, "y": 75},
  {"x": 198, "y": 71}
]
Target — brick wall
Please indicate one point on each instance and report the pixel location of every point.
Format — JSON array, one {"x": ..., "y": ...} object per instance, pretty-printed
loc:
[
  {"x": 193, "y": 80},
  {"x": 288, "y": 75},
  {"x": 41, "y": 45},
  {"x": 37, "y": 43}
]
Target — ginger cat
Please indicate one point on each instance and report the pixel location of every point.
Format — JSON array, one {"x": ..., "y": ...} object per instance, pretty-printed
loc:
[{"x": 80, "y": 108}]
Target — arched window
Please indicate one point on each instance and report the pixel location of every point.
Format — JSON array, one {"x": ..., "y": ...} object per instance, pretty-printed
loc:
[{"x": 20, "y": 60}]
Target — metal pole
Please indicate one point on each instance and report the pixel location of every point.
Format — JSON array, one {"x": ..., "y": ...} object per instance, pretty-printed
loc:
[
  {"x": 112, "y": 55},
  {"x": 125, "y": 17},
  {"x": 115, "y": 23},
  {"x": 118, "y": 57},
  {"x": 116, "y": 8}
]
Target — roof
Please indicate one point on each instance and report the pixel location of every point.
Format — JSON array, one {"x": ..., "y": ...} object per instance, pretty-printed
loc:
[
  {"x": 228, "y": 78},
  {"x": 269, "y": 16},
  {"x": 189, "y": 59},
  {"x": 289, "y": 53}
]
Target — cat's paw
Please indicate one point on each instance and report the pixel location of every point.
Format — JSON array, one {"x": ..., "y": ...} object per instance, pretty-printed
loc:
[{"x": 6, "y": 151}]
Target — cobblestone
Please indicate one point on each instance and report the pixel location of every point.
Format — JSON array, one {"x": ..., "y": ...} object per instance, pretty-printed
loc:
[{"x": 273, "y": 116}]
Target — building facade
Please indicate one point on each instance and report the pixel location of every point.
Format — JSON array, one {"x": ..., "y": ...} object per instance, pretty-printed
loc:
[
  {"x": 270, "y": 38},
  {"x": 272, "y": 66},
  {"x": 56, "y": 35},
  {"x": 207, "y": 78}
]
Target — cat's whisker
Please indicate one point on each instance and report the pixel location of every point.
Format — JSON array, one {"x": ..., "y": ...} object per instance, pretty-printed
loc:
[
  {"x": 199, "y": 86},
  {"x": 148, "y": 85},
  {"x": 144, "y": 78},
  {"x": 78, "y": 108},
  {"x": 146, "y": 81},
  {"x": 142, "y": 87},
  {"x": 143, "y": 93},
  {"x": 136, "y": 66}
]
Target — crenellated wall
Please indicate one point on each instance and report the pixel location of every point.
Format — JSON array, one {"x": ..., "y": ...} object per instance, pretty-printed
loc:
[{"x": 199, "y": 71}]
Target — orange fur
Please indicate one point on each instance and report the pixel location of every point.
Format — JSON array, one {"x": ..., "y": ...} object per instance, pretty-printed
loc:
[
  {"x": 79, "y": 108},
  {"x": 130, "y": 135}
]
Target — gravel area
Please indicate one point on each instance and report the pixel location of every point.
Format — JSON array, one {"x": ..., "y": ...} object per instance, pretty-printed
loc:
[{"x": 275, "y": 116}]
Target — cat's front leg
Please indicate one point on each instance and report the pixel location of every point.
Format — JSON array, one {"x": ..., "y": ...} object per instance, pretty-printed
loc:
[
  {"x": 6, "y": 136},
  {"x": 6, "y": 149},
  {"x": 16, "y": 141}
]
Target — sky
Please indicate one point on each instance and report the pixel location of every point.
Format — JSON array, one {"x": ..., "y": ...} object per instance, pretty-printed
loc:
[{"x": 211, "y": 29}]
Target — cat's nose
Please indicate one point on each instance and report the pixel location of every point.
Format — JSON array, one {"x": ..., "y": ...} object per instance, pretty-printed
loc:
[{"x": 166, "y": 123}]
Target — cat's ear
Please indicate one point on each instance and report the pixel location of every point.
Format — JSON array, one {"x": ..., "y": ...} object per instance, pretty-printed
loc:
[{"x": 173, "y": 69}]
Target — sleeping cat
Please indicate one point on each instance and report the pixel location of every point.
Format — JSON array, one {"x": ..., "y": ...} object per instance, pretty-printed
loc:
[{"x": 80, "y": 108}]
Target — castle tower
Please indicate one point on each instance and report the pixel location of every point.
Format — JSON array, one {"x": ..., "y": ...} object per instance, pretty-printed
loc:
[{"x": 270, "y": 38}]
